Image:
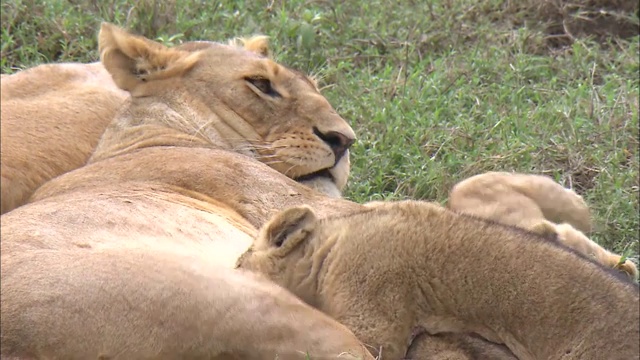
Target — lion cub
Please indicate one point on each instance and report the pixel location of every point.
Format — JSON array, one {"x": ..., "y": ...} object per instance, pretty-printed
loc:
[
  {"x": 395, "y": 267},
  {"x": 536, "y": 203}
]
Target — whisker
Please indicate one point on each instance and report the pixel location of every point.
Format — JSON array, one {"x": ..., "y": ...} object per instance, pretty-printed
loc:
[
  {"x": 273, "y": 162},
  {"x": 250, "y": 141},
  {"x": 289, "y": 169},
  {"x": 198, "y": 130},
  {"x": 252, "y": 147}
]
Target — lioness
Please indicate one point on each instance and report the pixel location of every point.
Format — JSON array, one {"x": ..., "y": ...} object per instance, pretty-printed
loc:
[
  {"x": 168, "y": 198},
  {"x": 536, "y": 203},
  {"x": 52, "y": 118},
  {"x": 394, "y": 268}
]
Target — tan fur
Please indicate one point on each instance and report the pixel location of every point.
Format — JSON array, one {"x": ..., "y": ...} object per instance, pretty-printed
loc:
[
  {"x": 195, "y": 98},
  {"x": 520, "y": 200},
  {"x": 452, "y": 346},
  {"x": 125, "y": 224},
  {"x": 129, "y": 256},
  {"x": 53, "y": 115},
  {"x": 392, "y": 268},
  {"x": 536, "y": 203},
  {"x": 52, "y": 118},
  {"x": 119, "y": 303}
]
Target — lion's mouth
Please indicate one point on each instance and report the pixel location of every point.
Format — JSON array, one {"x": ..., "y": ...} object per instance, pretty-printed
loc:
[{"x": 318, "y": 174}]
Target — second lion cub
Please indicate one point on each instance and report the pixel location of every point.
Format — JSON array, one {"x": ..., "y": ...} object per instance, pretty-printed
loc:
[{"x": 536, "y": 203}]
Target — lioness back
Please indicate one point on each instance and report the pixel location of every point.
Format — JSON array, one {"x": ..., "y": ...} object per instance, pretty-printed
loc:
[{"x": 52, "y": 118}]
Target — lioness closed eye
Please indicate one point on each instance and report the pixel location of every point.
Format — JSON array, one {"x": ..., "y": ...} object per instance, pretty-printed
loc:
[
  {"x": 395, "y": 267},
  {"x": 211, "y": 94}
]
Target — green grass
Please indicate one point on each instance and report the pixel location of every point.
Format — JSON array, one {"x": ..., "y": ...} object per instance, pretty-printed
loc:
[{"x": 435, "y": 94}]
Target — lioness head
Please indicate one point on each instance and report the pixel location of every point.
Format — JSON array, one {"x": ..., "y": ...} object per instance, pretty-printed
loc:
[{"x": 229, "y": 96}]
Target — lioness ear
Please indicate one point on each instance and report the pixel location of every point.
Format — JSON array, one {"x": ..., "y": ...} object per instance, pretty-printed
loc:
[
  {"x": 544, "y": 228},
  {"x": 132, "y": 60},
  {"x": 258, "y": 44},
  {"x": 287, "y": 228}
]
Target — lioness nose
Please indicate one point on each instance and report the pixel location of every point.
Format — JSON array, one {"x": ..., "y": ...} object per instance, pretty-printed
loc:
[{"x": 339, "y": 143}]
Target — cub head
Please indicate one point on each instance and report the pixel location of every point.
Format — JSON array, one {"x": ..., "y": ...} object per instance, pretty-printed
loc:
[
  {"x": 575, "y": 239},
  {"x": 279, "y": 247},
  {"x": 233, "y": 96}
]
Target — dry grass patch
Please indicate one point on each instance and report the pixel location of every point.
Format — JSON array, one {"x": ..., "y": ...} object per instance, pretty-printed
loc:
[{"x": 565, "y": 21}]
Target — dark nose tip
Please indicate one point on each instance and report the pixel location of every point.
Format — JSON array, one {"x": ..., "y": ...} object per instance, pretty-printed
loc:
[{"x": 338, "y": 142}]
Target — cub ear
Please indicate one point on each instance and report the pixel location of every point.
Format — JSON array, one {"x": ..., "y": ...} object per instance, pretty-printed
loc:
[
  {"x": 258, "y": 44},
  {"x": 544, "y": 228},
  {"x": 288, "y": 228},
  {"x": 132, "y": 60}
]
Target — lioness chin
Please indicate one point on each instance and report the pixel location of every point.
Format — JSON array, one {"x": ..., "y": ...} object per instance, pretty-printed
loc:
[{"x": 392, "y": 268}]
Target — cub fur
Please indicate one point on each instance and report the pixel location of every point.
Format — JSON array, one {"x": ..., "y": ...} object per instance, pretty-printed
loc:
[
  {"x": 454, "y": 346},
  {"x": 536, "y": 203},
  {"x": 395, "y": 267},
  {"x": 149, "y": 225}
]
